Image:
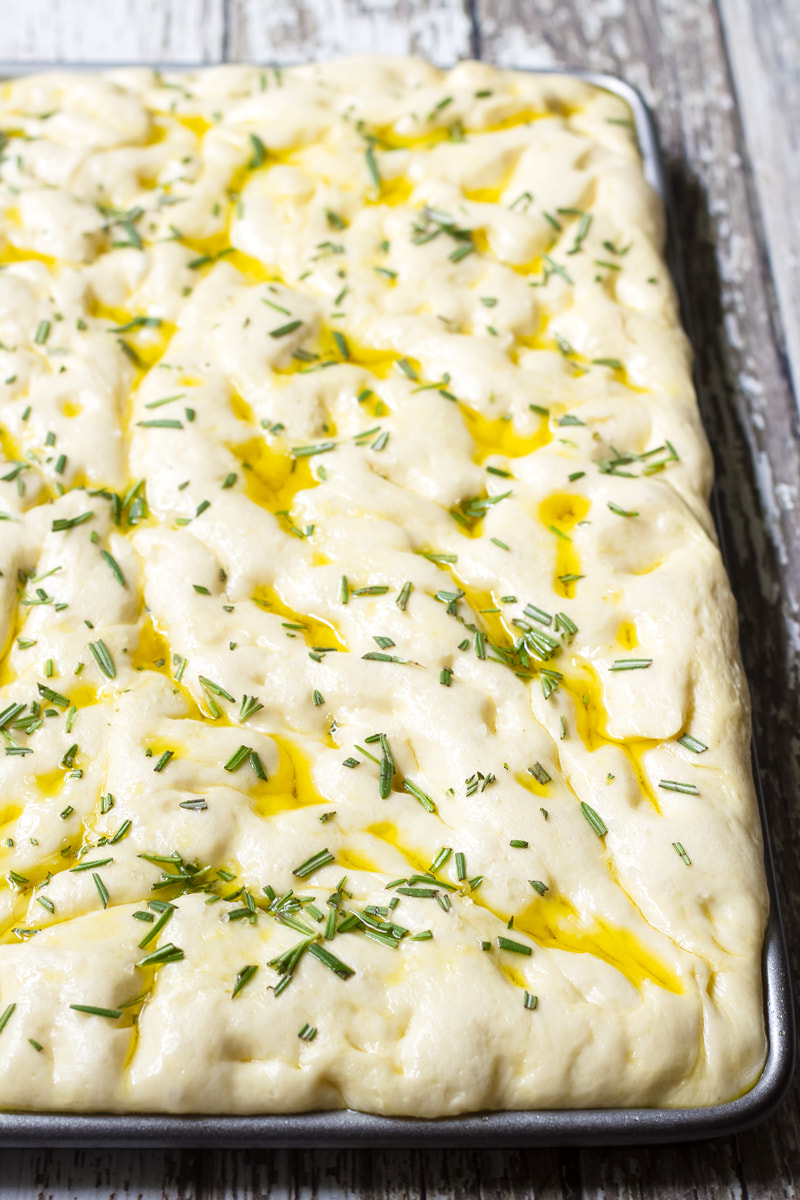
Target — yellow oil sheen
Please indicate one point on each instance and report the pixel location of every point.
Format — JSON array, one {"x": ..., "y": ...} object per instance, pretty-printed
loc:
[
  {"x": 591, "y": 720},
  {"x": 352, "y": 860},
  {"x": 50, "y": 783},
  {"x": 387, "y": 831},
  {"x": 197, "y": 124},
  {"x": 272, "y": 476},
  {"x": 560, "y": 513},
  {"x": 379, "y": 362},
  {"x": 554, "y": 922},
  {"x": 18, "y": 254},
  {"x": 495, "y": 435},
  {"x": 9, "y": 813},
  {"x": 627, "y": 635},
  {"x": 392, "y": 191},
  {"x": 240, "y": 408},
  {"x": 148, "y": 342},
  {"x": 290, "y": 787},
  {"x": 153, "y": 651},
  {"x": 482, "y": 604},
  {"x": 315, "y": 631}
]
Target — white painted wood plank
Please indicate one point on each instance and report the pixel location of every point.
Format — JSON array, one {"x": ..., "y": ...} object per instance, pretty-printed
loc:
[
  {"x": 439, "y": 30},
  {"x": 112, "y": 30},
  {"x": 763, "y": 42}
]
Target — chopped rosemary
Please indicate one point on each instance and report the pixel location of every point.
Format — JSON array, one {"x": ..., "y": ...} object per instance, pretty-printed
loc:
[
  {"x": 259, "y": 153},
  {"x": 210, "y": 686},
  {"x": 89, "y": 866},
  {"x": 243, "y": 977},
  {"x": 314, "y": 863},
  {"x": 237, "y": 758},
  {"x": 165, "y": 954},
  {"x": 308, "y": 451},
  {"x": 284, "y": 330},
  {"x": 691, "y": 743},
  {"x": 155, "y": 930},
  {"x": 102, "y": 657},
  {"x": 331, "y": 961},
  {"x": 116, "y": 570},
  {"x": 505, "y": 943},
  {"x": 418, "y": 794},
  {"x": 113, "y": 1013},
  {"x": 670, "y": 785},
  {"x": 621, "y": 512},
  {"x": 63, "y": 523},
  {"x": 250, "y": 706},
  {"x": 403, "y": 595},
  {"x": 372, "y": 167},
  {"x": 595, "y": 820},
  {"x": 539, "y": 773},
  {"x": 102, "y": 890}
]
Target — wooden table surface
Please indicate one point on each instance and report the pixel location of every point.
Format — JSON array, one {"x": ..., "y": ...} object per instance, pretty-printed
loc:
[{"x": 724, "y": 79}]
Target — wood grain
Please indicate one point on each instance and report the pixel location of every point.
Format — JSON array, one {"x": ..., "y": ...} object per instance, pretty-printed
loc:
[
  {"x": 440, "y": 30},
  {"x": 722, "y": 77},
  {"x": 765, "y": 61},
  {"x": 119, "y": 30}
]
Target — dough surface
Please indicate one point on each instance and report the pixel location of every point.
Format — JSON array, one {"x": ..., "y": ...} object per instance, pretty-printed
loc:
[{"x": 374, "y": 730}]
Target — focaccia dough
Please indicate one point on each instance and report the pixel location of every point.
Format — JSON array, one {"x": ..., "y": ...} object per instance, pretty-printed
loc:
[{"x": 374, "y": 728}]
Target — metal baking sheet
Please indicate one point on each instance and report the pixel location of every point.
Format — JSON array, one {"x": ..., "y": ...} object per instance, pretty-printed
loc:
[{"x": 496, "y": 1130}]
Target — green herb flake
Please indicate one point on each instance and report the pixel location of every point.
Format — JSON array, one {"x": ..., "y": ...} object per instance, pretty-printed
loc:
[
  {"x": 259, "y": 153},
  {"x": 116, "y": 570},
  {"x": 163, "y": 760},
  {"x": 102, "y": 657},
  {"x": 284, "y": 330},
  {"x": 621, "y": 512},
  {"x": 505, "y": 943},
  {"x": 540, "y": 773},
  {"x": 6, "y": 1017},
  {"x": 692, "y": 743},
  {"x": 372, "y": 167},
  {"x": 243, "y": 977},
  {"x": 314, "y": 863},
  {"x": 595, "y": 820},
  {"x": 113, "y": 1013},
  {"x": 671, "y": 785},
  {"x": 165, "y": 954},
  {"x": 331, "y": 961}
]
